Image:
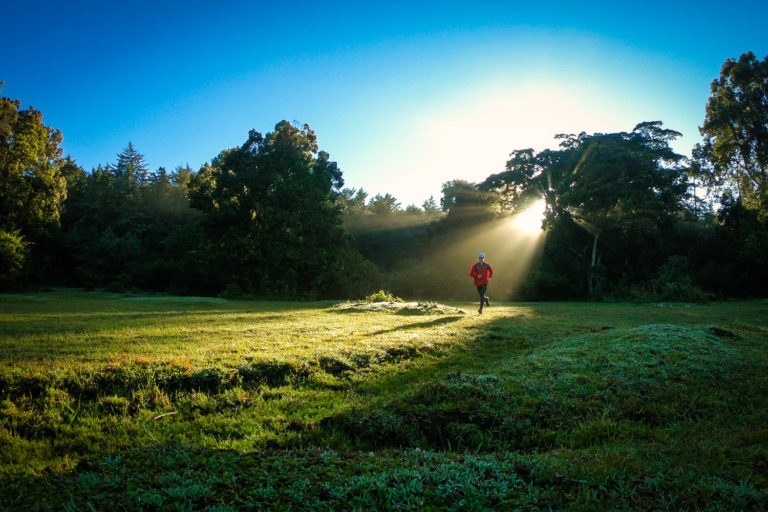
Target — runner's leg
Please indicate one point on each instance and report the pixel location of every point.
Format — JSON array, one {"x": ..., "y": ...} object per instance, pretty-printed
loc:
[{"x": 481, "y": 290}]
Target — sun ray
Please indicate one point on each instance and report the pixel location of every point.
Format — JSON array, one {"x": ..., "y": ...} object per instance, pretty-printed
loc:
[{"x": 530, "y": 220}]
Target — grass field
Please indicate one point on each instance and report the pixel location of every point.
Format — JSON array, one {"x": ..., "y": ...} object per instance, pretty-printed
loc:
[{"x": 126, "y": 402}]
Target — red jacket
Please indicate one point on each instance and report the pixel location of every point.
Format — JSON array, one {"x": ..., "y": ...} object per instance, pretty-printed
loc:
[{"x": 481, "y": 272}]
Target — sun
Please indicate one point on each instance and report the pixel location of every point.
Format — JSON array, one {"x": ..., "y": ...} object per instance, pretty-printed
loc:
[{"x": 529, "y": 221}]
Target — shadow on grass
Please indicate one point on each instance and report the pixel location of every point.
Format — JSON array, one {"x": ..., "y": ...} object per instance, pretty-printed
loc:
[{"x": 419, "y": 325}]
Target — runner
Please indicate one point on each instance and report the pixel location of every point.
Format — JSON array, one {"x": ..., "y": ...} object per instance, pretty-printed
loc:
[{"x": 481, "y": 272}]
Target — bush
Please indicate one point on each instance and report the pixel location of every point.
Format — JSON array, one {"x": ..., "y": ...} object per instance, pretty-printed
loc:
[
  {"x": 673, "y": 282},
  {"x": 232, "y": 291},
  {"x": 353, "y": 276},
  {"x": 13, "y": 253},
  {"x": 543, "y": 285},
  {"x": 382, "y": 296}
]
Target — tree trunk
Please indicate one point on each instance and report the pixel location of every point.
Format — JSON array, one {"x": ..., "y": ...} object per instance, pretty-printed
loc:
[{"x": 591, "y": 274}]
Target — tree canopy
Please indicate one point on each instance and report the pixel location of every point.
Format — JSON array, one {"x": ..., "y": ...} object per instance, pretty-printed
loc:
[
  {"x": 271, "y": 216},
  {"x": 734, "y": 153},
  {"x": 626, "y": 183},
  {"x": 32, "y": 188}
]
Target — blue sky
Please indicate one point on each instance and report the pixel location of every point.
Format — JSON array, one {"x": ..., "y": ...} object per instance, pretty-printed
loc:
[{"x": 404, "y": 96}]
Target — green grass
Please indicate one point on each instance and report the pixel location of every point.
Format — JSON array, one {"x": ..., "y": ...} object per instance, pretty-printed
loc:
[{"x": 178, "y": 403}]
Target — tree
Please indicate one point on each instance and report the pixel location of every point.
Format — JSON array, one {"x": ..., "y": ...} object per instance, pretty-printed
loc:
[
  {"x": 430, "y": 206},
  {"x": 31, "y": 186},
  {"x": 734, "y": 153},
  {"x": 383, "y": 205},
  {"x": 742, "y": 268},
  {"x": 353, "y": 201},
  {"x": 271, "y": 217},
  {"x": 131, "y": 169},
  {"x": 124, "y": 227},
  {"x": 462, "y": 199},
  {"x": 628, "y": 184},
  {"x": 105, "y": 221},
  {"x": 413, "y": 210}
]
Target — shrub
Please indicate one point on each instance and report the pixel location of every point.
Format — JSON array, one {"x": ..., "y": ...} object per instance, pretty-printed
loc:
[
  {"x": 673, "y": 282},
  {"x": 13, "y": 253},
  {"x": 543, "y": 285},
  {"x": 232, "y": 291},
  {"x": 382, "y": 296}
]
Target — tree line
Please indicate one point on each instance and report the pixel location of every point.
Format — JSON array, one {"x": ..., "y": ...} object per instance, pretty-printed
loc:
[{"x": 626, "y": 217}]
